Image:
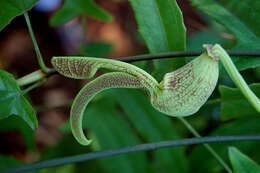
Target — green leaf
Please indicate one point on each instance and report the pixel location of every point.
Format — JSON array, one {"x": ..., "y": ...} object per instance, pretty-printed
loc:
[
  {"x": 152, "y": 126},
  {"x": 10, "y": 162},
  {"x": 60, "y": 169},
  {"x": 204, "y": 37},
  {"x": 234, "y": 104},
  {"x": 15, "y": 123},
  {"x": 12, "y": 8},
  {"x": 242, "y": 126},
  {"x": 109, "y": 129},
  {"x": 73, "y": 8},
  {"x": 242, "y": 163},
  {"x": 248, "y": 11},
  {"x": 96, "y": 49},
  {"x": 12, "y": 101},
  {"x": 161, "y": 25},
  {"x": 112, "y": 131},
  {"x": 246, "y": 39}
]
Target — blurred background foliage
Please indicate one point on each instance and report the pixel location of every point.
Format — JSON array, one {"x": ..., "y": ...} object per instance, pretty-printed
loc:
[{"x": 124, "y": 117}]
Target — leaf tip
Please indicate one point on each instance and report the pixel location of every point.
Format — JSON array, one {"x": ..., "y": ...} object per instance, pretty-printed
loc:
[{"x": 231, "y": 149}]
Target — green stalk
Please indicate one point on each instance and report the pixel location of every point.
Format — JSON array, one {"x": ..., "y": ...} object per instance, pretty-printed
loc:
[
  {"x": 31, "y": 78},
  {"x": 235, "y": 76},
  {"x": 83, "y": 32},
  {"x": 37, "y": 50},
  {"x": 181, "y": 54},
  {"x": 36, "y": 85},
  {"x": 207, "y": 146}
]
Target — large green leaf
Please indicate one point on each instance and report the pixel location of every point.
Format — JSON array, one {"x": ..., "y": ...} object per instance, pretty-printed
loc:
[
  {"x": 112, "y": 131},
  {"x": 247, "y": 11},
  {"x": 152, "y": 126},
  {"x": 161, "y": 25},
  {"x": 242, "y": 126},
  {"x": 12, "y": 101},
  {"x": 10, "y": 162},
  {"x": 15, "y": 123},
  {"x": 73, "y": 8},
  {"x": 204, "y": 37},
  {"x": 61, "y": 169},
  {"x": 12, "y": 8},
  {"x": 234, "y": 104},
  {"x": 96, "y": 49},
  {"x": 242, "y": 163},
  {"x": 246, "y": 39}
]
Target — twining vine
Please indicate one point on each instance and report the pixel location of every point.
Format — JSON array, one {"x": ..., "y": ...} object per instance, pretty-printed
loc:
[{"x": 130, "y": 149}]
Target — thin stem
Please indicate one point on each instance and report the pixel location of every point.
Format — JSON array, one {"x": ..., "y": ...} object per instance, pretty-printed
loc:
[
  {"x": 37, "y": 50},
  {"x": 31, "y": 78},
  {"x": 207, "y": 146},
  {"x": 42, "y": 108},
  {"x": 130, "y": 149},
  {"x": 36, "y": 85},
  {"x": 181, "y": 54},
  {"x": 83, "y": 32}
]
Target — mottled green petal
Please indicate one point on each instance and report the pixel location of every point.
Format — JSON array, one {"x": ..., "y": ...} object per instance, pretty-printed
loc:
[{"x": 106, "y": 81}]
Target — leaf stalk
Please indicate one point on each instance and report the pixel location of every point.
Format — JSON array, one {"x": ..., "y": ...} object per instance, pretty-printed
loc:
[
  {"x": 36, "y": 47},
  {"x": 207, "y": 146}
]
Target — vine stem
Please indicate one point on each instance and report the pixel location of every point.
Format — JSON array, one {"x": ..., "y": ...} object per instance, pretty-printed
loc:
[
  {"x": 37, "y": 50},
  {"x": 179, "y": 54},
  {"x": 30, "y": 78},
  {"x": 83, "y": 32},
  {"x": 207, "y": 146},
  {"x": 36, "y": 85},
  {"x": 129, "y": 149}
]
